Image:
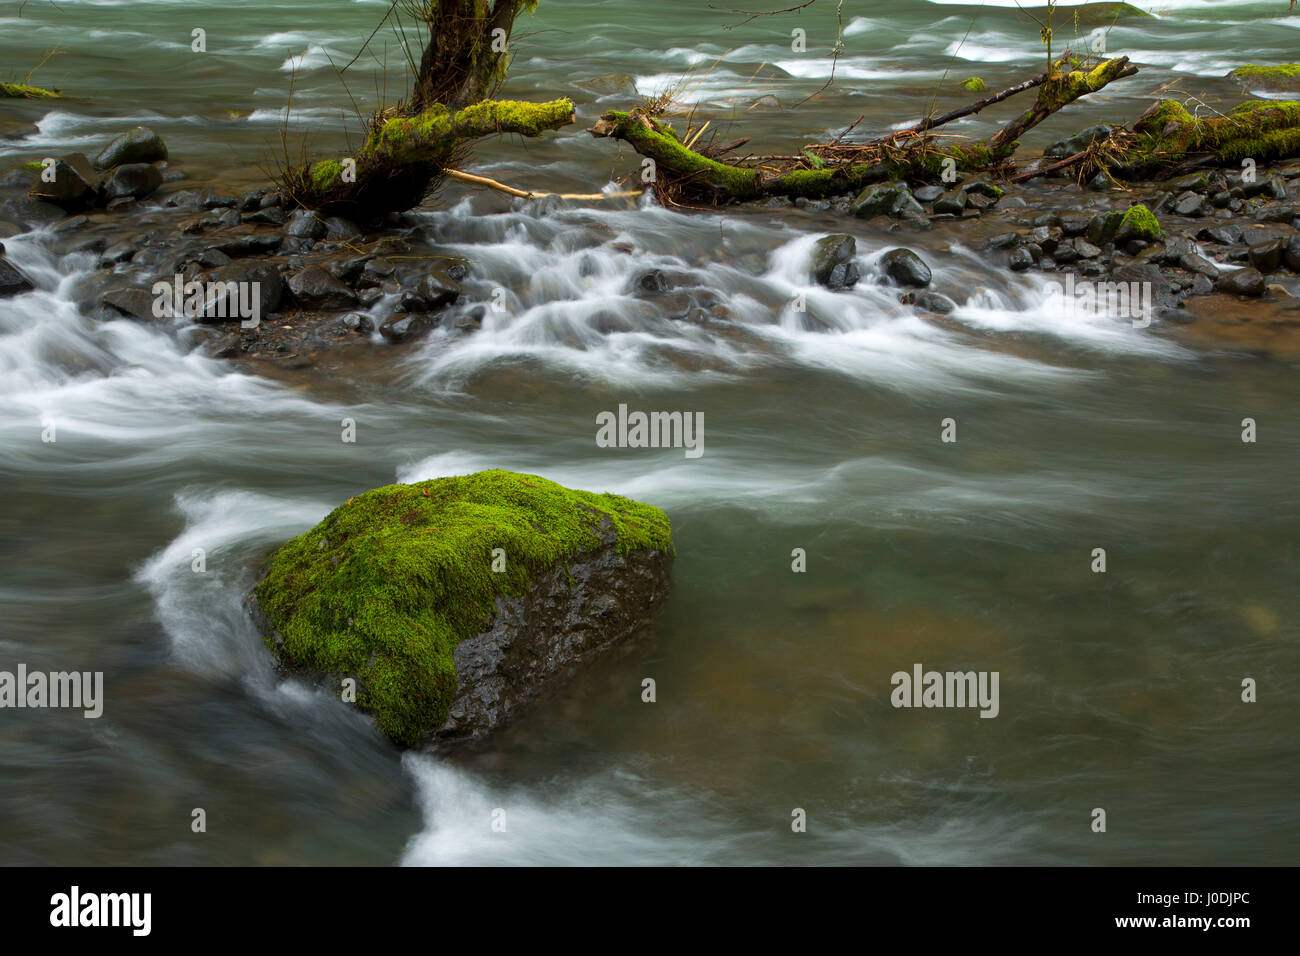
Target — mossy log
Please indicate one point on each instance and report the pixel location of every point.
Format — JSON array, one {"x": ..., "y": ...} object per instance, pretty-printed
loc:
[
  {"x": 682, "y": 171},
  {"x": 403, "y": 155},
  {"x": 26, "y": 91},
  {"x": 1167, "y": 138}
]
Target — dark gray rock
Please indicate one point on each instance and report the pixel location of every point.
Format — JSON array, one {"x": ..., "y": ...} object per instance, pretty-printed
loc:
[
  {"x": 133, "y": 180},
  {"x": 650, "y": 283},
  {"x": 1076, "y": 143},
  {"x": 1021, "y": 259},
  {"x": 304, "y": 224},
  {"x": 75, "y": 184},
  {"x": 12, "y": 280},
  {"x": 139, "y": 145},
  {"x": 131, "y": 302},
  {"x": 438, "y": 289},
  {"x": 1267, "y": 256},
  {"x": 270, "y": 284},
  {"x": 906, "y": 268},
  {"x": 891, "y": 199},
  {"x": 541, "y": 639},
  {"x": 316, "y": 289},
  {"x": 1293, "y": 253},
  {"x": 1248, "y": 281},
  {"x": 952, "y": 203},
  {"x": 403, "y": 328},
  {"x": 832, "y": 262},
  {"x": 267, "y": 216}
]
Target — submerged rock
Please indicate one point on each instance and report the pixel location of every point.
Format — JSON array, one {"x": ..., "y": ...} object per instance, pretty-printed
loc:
[
  {"x": 609, "y": 84},
  {"x": 12, "y": 281},
  {"x": 455, "y": 602}
]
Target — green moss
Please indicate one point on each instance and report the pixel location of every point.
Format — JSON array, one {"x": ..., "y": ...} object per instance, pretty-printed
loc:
[
  {"x": 973, "y": 85},
  {"x": 325, "y": 174},
  {"x": 1270, "y": 79},
  {"x": 1262, "y": 130},
  {"x": 1140, "y": 223},
  {"x": 1287, "y": 69},
  {"x": 650, "y": 138},
  {"x": 431, "y": 136},
  {"x": 24, "y": 91},
  {"x": 388, "y": 584}
]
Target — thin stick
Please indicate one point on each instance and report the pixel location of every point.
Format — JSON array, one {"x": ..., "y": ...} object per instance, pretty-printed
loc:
[{"x": 524, "y": 194}]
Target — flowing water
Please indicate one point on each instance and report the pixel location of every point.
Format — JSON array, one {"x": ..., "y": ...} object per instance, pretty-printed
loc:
[{"x": 822, "y": 431}]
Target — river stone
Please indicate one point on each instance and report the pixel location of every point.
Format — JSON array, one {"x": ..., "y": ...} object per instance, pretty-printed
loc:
[
  {"x": 608, "y": 84},
  {"x": 140, "y": 145},
  {"x": 304, "y": 224},
  {"x": 131, "y": 302},
  {"x": 1077, "y": 143},
  {"x": 892, "y": 199},
  {"x": 270, "y": 284},
  {"x": 438, "y": 289},
  {"x": 952, "y": 203},
  {"x": 75, "y": 185},
  {"x": 1248, "y": 281},
  {"x": 1267, "y": 256},
  {"x": 12, "y": 281},
  {"x": 1293, "y": 253},
  {"x": 316, "y": 289},
  {"x": 832, "y": 262},
  {"x": 134, "y": 180},
  {"x": 1021, "y": 259},
  {"x": 906, "y": 268},
  {"x": 410, "y": 325},
  {"x": 456, "y": 603}
]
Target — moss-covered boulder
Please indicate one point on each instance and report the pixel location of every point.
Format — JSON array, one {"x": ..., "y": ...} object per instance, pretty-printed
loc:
[
  {"x": 974, "y": 84},
  {"x": 1090, "y": 14},
  {"x": 456, "y": 601},
  {"x": 1268, "y": 79},
  {"x": 1138, "y": 223}
]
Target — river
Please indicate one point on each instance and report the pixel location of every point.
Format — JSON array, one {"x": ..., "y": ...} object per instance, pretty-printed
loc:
[{"x": 1119, "y": 690}]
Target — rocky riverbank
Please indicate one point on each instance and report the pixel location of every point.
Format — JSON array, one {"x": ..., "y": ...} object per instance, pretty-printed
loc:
[{"x": 1218, "y": 250}]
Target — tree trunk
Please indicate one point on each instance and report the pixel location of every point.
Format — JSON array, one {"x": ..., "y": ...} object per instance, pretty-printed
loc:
[{"x": 462, "y": 66}]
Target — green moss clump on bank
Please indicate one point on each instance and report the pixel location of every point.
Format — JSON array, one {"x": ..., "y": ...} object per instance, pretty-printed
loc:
[
  {"x": 24, "y": 91},
  {"x": 325, "y": 173},
  {"x": 388, "y": 584},
  {"x": 973, "y": 85},
  {"x": 1140, "y": 223}
]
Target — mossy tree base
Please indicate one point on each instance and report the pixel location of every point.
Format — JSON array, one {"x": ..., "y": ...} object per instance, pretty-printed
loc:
[
  {"x": 403, "y": 155},
  {"x": 388, "y": 584}
]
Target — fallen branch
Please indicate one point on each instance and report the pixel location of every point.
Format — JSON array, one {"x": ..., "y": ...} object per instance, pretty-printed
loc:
[{"x": 524, "y": 194}]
